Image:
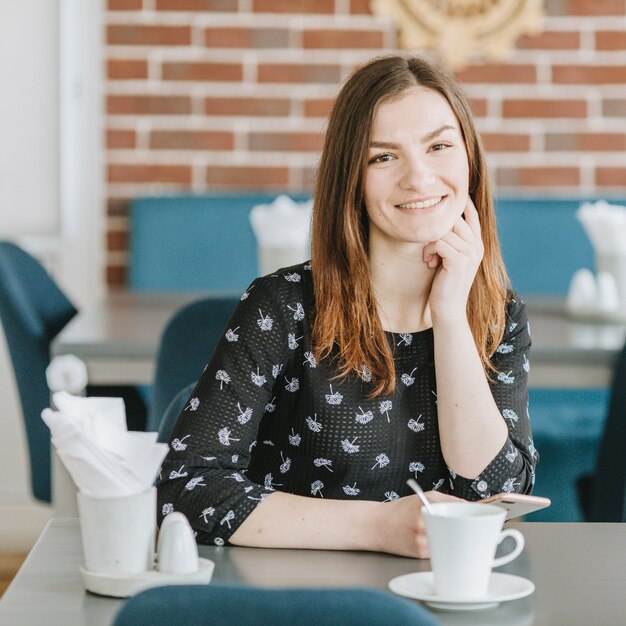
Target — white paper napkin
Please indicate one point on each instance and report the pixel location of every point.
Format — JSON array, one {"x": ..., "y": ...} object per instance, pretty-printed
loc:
[
  {"x": 282, "y": 223},
  {"x": 104, "y": 459}
]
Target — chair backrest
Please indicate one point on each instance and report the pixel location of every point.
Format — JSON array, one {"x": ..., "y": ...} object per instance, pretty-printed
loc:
[
  {"x": 33, "y": 311},
  {"x": 172, "y": 412},
  {"x": 194, "y": 243},
  {"x": 608, "y": 484},
  {"x": 185, "y": 348},
  {"x": 224, "y": 605}
]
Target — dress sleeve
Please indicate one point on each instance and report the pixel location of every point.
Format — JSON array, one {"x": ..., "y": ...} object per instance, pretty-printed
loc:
[
  {"x": 204, "y": 473},
  {"x": 513, "y": 468}
]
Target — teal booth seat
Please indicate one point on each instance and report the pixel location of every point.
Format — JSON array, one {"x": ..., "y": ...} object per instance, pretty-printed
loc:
[{"x": 196, "y": 243}]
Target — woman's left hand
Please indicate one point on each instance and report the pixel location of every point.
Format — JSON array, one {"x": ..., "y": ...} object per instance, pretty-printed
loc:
[{"x": 456, "y": 257}]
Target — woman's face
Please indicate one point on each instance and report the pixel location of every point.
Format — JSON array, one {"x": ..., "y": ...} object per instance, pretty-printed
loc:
[{"x": 417, "y": 176}]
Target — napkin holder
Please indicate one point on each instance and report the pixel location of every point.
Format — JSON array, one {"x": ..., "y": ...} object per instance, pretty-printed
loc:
[
  {"x": 282, "y": 233},
  {"x": 597, "y": 298}
]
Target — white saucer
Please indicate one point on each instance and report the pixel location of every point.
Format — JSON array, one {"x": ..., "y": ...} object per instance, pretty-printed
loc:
[
  {"x": 123, "y": 586},
  {"x": 502, "y": 587}
]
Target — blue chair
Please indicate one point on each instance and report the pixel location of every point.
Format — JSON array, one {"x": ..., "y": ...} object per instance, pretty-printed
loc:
[
  {"x": 33, "y": 311},
  {"x": 186, "y": 345},
  {"x": 172, "y": 412},
  {"x": 228, "y": 605}
]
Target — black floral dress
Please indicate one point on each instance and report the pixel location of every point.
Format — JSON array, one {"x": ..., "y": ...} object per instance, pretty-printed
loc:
[{"x": 266, "y": 416}]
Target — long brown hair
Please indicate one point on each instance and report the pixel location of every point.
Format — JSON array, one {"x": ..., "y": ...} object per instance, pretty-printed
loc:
[{"x": 346, "y": 325}]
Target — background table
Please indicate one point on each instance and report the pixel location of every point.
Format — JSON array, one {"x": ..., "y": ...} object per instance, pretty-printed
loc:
[
  {"x": 579, "y": 571},
  {"x": 118, "y": 340}
]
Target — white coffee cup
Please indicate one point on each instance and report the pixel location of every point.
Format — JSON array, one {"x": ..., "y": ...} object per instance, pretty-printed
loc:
[
  {"x": 118, "y": 534},
  {"x": 463, "y": 537}
]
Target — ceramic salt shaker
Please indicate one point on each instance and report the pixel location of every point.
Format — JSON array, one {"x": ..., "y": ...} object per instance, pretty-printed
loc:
[{"x": 177, "y": 552}]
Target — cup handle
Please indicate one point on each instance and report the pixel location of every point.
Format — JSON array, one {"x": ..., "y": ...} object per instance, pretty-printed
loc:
[{"x": 519, "y": 540}]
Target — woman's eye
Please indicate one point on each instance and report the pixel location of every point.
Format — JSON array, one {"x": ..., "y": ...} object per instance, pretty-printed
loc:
[
  {"x": 381, "y": 158},
  {"x": 440, "y": 146}
]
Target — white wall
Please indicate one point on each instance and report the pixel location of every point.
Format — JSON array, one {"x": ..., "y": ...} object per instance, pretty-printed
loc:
[{"x": 51, "y": 181}]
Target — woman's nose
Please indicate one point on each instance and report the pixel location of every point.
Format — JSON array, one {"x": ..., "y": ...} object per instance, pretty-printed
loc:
[{"x": 416, "y": 175}]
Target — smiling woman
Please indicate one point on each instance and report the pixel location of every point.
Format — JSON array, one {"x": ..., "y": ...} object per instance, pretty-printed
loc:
[{"x": 396, "y": 353}]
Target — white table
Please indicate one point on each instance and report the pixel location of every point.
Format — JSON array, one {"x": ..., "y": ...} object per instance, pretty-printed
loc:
[
  {"x": 579, "y": 571},
  {"x": 118, "y": 340}
]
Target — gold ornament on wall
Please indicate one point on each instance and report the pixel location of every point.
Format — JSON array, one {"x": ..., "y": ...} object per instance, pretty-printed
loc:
[{"x": 462, "y": 29}]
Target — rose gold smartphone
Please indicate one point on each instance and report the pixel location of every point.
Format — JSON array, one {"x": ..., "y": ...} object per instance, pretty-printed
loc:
[{"x": 517, "y": 504}]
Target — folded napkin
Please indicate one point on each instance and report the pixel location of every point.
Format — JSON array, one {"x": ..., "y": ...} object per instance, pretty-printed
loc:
[
  {"x": 104, "y": 459},
  {"x": 605, "y": 225},
  {"x": 282, "y": 223}
]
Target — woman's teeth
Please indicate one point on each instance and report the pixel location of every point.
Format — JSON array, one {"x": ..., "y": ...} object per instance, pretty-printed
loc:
[{"x": 425, "y": 204}]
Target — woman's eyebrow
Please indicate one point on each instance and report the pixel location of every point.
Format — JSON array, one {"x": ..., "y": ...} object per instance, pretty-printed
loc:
[
  {"x": 430, "y": 136},
  {"x": 383, "y": 144},
  {"x": 426, "y": 138}
]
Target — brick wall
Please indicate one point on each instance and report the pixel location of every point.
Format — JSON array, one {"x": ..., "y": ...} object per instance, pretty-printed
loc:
[{"x": 222, "y": 94}]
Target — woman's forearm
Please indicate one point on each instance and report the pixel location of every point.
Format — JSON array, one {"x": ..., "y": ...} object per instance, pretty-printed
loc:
[
  {"x": 285, "y": 520},
  {"x": 471, "y": 428}
]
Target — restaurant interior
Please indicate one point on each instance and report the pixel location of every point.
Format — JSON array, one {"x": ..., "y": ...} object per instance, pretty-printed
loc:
[{"x": 159, "y": 155}]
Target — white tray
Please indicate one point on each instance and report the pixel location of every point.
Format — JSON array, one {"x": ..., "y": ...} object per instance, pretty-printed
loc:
[{"x": 123, "y": 586}]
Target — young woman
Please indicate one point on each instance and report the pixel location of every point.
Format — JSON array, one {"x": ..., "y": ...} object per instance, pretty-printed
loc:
[{"x": 397, "y": 352}]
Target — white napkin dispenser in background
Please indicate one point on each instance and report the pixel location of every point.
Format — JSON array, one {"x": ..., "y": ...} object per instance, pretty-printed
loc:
[
  {"x": 602, "y": 296},
  {"x": 282, "y": 233}
]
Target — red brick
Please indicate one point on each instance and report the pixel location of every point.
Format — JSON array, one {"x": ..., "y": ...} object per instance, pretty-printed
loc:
[
  {"x": 191, "y": 140},
  {"x": 320, "y": 107},
  {"x": 599, "y": 142},
  {"x": 611, "y": 176},
  {"x": 131, "y": 173},
  {"x": 116, "y": 276},
  {"x": 614, "y": 108},
  {"x": 352, "y": 39},
  {"x": 544, "y": 108},
  {"x": 247, "y": 177},
  {"x": 294, "y": 73},
  {"x": 246, "y": 38},
  {"x": 289, "y": 6},
  {"x": 197, "y": 5},
  {"x": 124, "y": 5},
  {"x": 308, "y": 176},
  {"x": 247, "y": 106},
  {"x": 117, "y": 207},
  {"x": 286, "y": 142},
  {"x": 478, "y": 106},
  {"x": 550, "y": 40},
  {"x": 361, "y": 7},
  {"x": 498, "y": 73},
  {"x": 538, "y": 176},
  {"x": 589, "y": 74},
  {"x": 611, "y": 40},
  {"x": 503, "y": 142},
  {"x": 126, "y": 69},
  {"x": 121, "y": 139},
  {"x": 199, "y": 71},
  {"x": 129, "y": 35},
  {"x": 148, "y": 105},
  {"x": 117, "y": 240},
  {"x": 585, "y": 7}
]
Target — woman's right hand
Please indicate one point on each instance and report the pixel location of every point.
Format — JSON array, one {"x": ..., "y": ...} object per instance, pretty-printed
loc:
[{"x": 400, "y": 528}]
